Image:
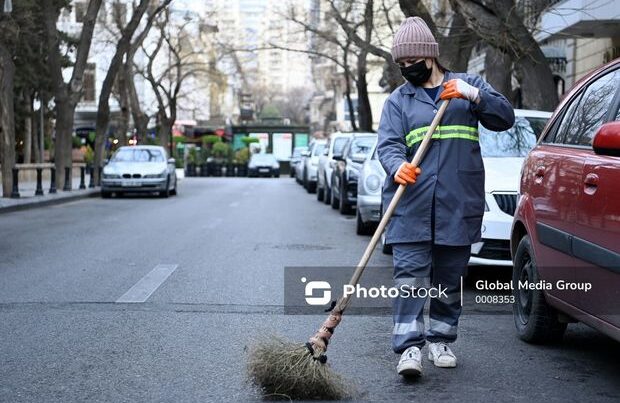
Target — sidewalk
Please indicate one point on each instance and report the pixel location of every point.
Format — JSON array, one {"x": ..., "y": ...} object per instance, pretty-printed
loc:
[{"x": 29, "y": 200}]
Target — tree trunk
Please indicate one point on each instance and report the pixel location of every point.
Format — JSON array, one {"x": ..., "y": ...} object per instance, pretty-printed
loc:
[
  {"x": 103, "y": 108},
  {"x": 498, "y": 71},
  {"x": 140, "y": 119},
  {"x": 63, "y": 140},
  {"x": 497, "y": 23},
  {"x": 363, "y": 102},
  {"x": 123, "y": 99},
  {"x": 7, "y": 120},
  {"x": 28, "y": 127}
]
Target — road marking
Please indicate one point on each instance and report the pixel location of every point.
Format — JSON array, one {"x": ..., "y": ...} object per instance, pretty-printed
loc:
[
  {"x": 461, "y": 291},
  {"x": 142, "y": 290}
]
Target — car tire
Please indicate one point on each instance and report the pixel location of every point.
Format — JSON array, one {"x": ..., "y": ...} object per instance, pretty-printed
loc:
[
  {"x": 535, "y": 320},
  {"x": 320, "y": 193},
  {"x": 385, "y": 248},
  {"x": 327, "y": 198},
  {"x": 166, "y": 193},
  {"x": 344, "y": 207},
  {"x": 292, "y": 173},
  {"x": 334, "y": 201},
  {"x": 361, "y": 228}
]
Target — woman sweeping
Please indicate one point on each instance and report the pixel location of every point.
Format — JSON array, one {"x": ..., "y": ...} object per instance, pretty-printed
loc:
[{"x": 438, "y": 219}]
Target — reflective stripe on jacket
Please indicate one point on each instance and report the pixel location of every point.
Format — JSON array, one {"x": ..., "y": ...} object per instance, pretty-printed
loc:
[{"x": 452, "y": 170}]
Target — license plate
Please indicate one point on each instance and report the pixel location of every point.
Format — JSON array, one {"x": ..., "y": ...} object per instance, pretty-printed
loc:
[
  {"x": 263, "y": 170},
  {"x": 126, "y": 184}
]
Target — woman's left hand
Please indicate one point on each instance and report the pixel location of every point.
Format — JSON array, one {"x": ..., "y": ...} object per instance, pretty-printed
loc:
[{"x": 457, "y": 88}]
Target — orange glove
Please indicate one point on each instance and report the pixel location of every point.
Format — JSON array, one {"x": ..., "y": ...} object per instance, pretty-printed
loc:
[
  {"x": 457, "y": 88},
  {"x": 406, "y": 174}
]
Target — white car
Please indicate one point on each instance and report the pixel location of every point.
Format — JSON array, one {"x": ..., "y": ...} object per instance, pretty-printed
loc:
[
  {"x": 335, "y": 145},
  {"x": 503, "y": 154},
  {"x": 310, "y": 164},
  {"x": 139, "y": 169}
]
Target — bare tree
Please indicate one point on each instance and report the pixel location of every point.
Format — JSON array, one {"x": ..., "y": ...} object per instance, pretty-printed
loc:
[
  {"x": 174, "y": 50},
  {"x": 67, "y": 95}
]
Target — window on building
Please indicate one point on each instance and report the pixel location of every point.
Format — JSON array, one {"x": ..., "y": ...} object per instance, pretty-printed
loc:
[
  {"x": 80, "y": 8},
  {"x": 88, "y": 88}
]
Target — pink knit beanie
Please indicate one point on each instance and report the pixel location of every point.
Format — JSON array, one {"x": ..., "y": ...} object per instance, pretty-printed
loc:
[{"x": 414, "y": 39}]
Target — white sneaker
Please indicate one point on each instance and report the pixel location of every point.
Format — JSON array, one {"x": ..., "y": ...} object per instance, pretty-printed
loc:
[
  {"x": 441, "y": 355},
  {"x": 410, "y": 363}
]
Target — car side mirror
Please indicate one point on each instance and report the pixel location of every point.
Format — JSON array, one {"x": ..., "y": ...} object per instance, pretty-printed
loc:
[
  {"x": 338, "y": 157},
  {"x": 607, "y": 139},
  {"x": 106, "y": 161},
  {"x": 171, "y": 161},
  {"x": 326, "y": 151}
]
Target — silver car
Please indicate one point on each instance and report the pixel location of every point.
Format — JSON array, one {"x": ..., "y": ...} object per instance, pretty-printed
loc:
[
  {"x": 369, "y": 187},
  {"x": 310, "y": 165},
  {"x": 144, "y": 169},
  {"x": 335, "y": 145},
  {"x": 296, "y": 160}
]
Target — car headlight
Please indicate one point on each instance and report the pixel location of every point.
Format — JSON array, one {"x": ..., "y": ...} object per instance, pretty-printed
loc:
[
  {"x": 160, "y": 175},
  {"x": 372, "y": 182}
]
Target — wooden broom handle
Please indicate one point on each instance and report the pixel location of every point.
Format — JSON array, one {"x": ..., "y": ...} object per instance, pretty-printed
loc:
[{"x": 343, "y": 302}]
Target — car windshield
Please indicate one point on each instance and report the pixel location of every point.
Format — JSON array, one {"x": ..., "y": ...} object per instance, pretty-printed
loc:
[
  {"x": 297, "y": 152},
  {"x": 339, "y": 144},
  {"x": 138, "y": 155},
  {"x": 318, "y": 149},
  {"x": 514, "y": 142},
  {"x": 264, "y": 159},
  {"x": 362, "y": 145}
]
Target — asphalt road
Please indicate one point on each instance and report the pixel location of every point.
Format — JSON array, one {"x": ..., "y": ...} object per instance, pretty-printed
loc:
[{"x": 218, "y": 252}]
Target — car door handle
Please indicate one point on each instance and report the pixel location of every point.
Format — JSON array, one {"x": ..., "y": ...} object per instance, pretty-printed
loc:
[
  {"x": 591, "y": 180},
  {"x": 540, "y": 172}
]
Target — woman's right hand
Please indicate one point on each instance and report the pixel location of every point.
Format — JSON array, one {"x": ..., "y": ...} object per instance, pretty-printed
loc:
[{"x": 407, "y": 174}]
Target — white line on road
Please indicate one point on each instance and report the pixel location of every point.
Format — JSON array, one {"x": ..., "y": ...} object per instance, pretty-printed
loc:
[{"x": 142, "y": 290}]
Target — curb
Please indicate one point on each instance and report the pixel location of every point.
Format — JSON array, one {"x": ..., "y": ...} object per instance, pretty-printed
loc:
[{"x": 49, "y": 202}]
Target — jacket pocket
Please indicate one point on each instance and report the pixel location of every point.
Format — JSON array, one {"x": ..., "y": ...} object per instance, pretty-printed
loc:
[{"x": 472, "y": 187}]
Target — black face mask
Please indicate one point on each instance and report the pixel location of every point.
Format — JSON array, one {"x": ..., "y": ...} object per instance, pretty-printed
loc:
[{"x": 417, "y": 73}]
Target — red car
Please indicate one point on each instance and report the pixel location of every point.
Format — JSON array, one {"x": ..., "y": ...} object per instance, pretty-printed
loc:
[{"x": 565, "y": 241}]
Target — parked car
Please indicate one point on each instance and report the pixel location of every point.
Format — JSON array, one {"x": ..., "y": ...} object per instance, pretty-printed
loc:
[
  {"x": 566, "y": 226},
  {"x": 296, "y": 159},
  {"x": 335, "y": 145},
  {"x": 503, "y": 154},
  {"x": 371, "y": 179},
  {"x": 139, "y": 169},
  {"x": 262, "y": 164},
  {"x": 311, "y": 164},
  {"x": 347, "y": 169}
]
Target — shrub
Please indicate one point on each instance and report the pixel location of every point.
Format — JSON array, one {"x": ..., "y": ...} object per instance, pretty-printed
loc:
[
  {"x": 210, "y": 139},
  {"x": 243, "y": 156},
  {"x": 247, "y": 140},
  {"x": 221, "y": 150}
]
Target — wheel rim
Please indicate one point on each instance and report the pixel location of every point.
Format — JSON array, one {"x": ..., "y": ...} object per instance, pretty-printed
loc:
[{"x": 524, "y": 295}]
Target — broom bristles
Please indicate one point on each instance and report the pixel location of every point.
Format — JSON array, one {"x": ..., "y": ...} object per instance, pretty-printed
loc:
[{"x": 285, "y": 369}]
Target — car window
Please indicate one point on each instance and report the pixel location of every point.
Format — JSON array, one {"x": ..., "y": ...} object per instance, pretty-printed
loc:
[
  {"x": 592, "y": 109},
  {"x": 339, "y": 144},
  {"x": 558, "y": 133},
  {"x": 138, "y": 155},
  {"x": 318, "y": 149},
  {"x": 514, "y": 142},
  {"x": 263, "y": 158},
  {"x": 361, "y": 145}
]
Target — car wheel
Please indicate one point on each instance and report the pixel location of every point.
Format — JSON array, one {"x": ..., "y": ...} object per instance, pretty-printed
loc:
[
  {"x": 320, "y": 192},
  {"x": 385, "y": 248},
  {"x": 344, "y": 207},
  {"x": 304, "y": 181},
  {"x": 535, "y": 320},
  {"x": 166, "y": 193},
  {"x": 292, "y": 173},
  {"x": 327, "y": 198},
  {"x": 334, "y": 201},
  {"x": 361, "y": 228}
]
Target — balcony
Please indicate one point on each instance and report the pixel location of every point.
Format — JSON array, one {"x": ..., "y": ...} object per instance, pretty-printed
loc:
[{"x": 584, "y": 18}]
